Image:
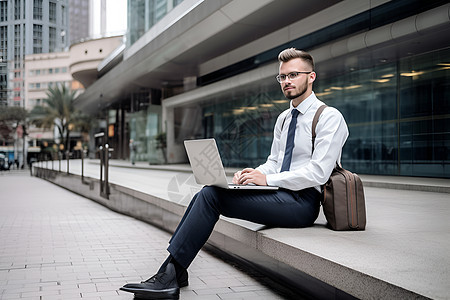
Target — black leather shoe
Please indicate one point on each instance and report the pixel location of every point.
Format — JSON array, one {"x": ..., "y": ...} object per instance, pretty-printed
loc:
[
  {"x": 182, "y": 274},
  {"x": 161, "y": 286}
]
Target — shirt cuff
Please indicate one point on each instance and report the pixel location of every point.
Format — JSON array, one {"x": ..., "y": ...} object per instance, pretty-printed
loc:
[{"x": 271, "y": 179}]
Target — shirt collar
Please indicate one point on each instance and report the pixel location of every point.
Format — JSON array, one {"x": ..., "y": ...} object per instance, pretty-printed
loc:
[{"x": 305, "y": 104}]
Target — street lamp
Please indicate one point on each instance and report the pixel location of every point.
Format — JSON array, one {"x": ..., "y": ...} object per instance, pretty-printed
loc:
[{"x": 69, "y": 128}]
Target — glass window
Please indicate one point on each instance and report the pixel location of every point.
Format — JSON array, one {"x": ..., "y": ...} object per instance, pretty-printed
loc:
[
  {"x": 17, "y": 5},
  {"x": 160, "y": 9},
  {"x": 17, "y": 40},
  {"x": 424, "y": 114},
  {"x": 4, "y": 42},
  {"x": 176, "y": 2},
  {"x": 51, "y": 39},
  {"x": 137, "y": 19},
  {"x": 37, "y": 38},
  {"x": 367, "y": 100},
  {"x": 63, "y": 15},
  {"x": 52, "y": 12},
  {"x": 398, "y": 115},
  {"x": 3, "y": 11},
  {"x": 37, "y": 10},
  {"x": 142, "y": 15},
  {"x": 243, "y": 127},
  {"x": 17, "y": 35}
]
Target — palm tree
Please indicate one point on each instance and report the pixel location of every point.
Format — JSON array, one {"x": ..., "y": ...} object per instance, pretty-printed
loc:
[{"x": 59, "y": 110}]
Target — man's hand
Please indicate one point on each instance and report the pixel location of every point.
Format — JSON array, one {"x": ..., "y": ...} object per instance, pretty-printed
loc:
[{"x": 249, "y": 175}]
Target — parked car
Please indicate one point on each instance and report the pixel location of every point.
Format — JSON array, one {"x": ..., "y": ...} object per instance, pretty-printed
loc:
[{"x": 4, "y": 162}]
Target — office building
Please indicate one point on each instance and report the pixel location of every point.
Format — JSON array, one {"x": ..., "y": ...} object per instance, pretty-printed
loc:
[
  {"x": 27, "y": 27},
  {"x": 79, "y": 20},
  {"x": 198, "y": 69}
]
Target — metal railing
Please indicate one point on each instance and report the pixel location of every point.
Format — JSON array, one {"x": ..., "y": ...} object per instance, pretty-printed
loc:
[{"x": 104, "y": 153}]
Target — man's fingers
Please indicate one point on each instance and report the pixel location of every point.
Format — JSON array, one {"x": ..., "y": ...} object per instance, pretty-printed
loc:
[
  {"x": 247, "y": 170},
  {"x": 237, "y": 177},
  {"x": 245, "y": 179}
]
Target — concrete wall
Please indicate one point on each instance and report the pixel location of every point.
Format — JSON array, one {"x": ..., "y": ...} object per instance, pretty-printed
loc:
[
  {"x": 283, "y": 254},
  {"x": 237, "y": 240}
]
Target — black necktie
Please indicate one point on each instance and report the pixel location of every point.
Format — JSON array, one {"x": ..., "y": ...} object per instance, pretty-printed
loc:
[{"x": 290, "y": 142}]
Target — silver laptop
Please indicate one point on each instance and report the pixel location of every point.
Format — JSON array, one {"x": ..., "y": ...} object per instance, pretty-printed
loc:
[{"x": 208, "y": 168}]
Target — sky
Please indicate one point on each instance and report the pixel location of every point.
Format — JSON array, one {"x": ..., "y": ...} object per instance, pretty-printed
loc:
[{"x": 116, "y": 17}]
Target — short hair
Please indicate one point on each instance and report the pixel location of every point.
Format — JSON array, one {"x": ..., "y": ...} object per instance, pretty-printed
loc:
[{"x": 291, "y": 53}]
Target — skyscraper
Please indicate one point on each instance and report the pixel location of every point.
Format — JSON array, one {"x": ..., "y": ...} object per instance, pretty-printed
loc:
[
  {"x": 79, "y": 20},
  {"x": 28, "y": 27}
]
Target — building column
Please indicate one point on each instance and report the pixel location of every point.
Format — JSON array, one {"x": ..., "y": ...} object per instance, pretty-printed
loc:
[{"x": 168, "y": 122}]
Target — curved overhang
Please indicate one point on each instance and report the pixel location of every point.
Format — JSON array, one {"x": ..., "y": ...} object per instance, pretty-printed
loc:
[
  {"x": 213, "y": 35},
  {"x": 85, "y": 71},
  {"x": 191, "y": 34},
  {"x": 86, "y": 56}
]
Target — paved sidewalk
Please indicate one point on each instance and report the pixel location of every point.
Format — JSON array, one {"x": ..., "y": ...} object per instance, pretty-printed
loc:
[
  {"x": 58, "y": 245},
  {"x": 404, "y": 246}
]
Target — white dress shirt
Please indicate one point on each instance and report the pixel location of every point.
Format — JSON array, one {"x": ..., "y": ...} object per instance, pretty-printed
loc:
[{"x": 306, "y": 170}]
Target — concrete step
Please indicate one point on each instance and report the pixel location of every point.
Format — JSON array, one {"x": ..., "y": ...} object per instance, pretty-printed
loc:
[{"x": 402, "y": 253}]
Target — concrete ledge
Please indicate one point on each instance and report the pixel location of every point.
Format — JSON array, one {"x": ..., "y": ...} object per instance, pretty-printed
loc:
[
  {"x": 299, "y": 258},
  {"x": 434, "y": 185}
]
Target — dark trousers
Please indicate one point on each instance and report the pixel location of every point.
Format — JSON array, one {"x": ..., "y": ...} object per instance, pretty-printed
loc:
[{"x": 281, "y": 208}]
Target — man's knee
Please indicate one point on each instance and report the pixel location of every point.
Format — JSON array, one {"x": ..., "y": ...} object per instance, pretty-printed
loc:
[
  {"x": 210, "y": 195},
  {"x": 209, "y": 192}
]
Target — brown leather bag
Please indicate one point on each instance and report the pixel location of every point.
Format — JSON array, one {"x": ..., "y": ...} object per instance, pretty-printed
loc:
[{"x": 343, "y": 195}]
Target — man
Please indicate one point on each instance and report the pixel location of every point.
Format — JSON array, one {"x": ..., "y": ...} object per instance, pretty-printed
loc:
[
  {"x": 290, "y": 165},
  {"x": 132, "y": 151}
]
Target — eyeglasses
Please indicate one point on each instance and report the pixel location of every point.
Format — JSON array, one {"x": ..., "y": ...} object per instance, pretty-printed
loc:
[{"x": 280, "y": 78}]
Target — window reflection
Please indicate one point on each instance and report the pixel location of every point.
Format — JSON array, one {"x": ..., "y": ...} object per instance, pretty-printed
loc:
[{"x": 398, "y": 116}]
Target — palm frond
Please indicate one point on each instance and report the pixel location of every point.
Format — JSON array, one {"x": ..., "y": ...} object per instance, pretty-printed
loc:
[{"x": 59, "y": 111}]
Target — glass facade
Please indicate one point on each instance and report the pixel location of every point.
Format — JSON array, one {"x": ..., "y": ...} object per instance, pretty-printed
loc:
[
  {"x": 142, "y": 124},
  {"x": 397, "y": 112},
  {"x": 243, "y": 127},
  {"x": 398, "y": 116},
  {"x": 144, "y": 128},
  {"x": 143, "y": 14}
]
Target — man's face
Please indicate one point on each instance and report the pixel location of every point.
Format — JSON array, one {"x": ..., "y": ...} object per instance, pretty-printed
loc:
[{"x": 298, "y": 87}]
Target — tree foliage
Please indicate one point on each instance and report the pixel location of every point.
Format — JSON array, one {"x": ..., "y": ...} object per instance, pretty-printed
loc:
[
  {"x": 10, "y": 118},
  {"x": 14, "y": 114}
]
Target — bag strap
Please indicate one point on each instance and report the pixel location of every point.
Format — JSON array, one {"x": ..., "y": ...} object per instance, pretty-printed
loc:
[
  {"x": 284, "y": 120},
  {"x": 313, "y": 131},
  {"x": 314, "y": 124}
]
